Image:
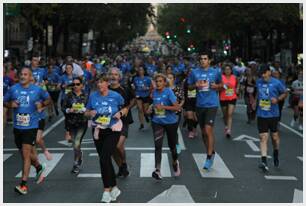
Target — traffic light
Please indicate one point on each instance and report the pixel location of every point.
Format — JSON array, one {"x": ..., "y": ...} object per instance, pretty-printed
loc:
[
  {"x": 188, "y": 31},
  {"x": 175, "y": 36},
  {"x": 167, "y": 35}
]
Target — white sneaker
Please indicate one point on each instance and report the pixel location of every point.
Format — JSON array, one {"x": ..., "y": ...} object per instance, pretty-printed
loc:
[
  {"x": 115, "y": 193},
  {"x": 300, "y": 127},
  {"x": 106, "y": 197},
  {"x": 292, "y": 123}
]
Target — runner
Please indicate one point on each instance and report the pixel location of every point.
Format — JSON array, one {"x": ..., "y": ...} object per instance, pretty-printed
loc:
[
  {"x": 74, "y": 105},
  {"x": 189, "y": 107},
  {"x": 26, "y": 99},
  {"x": 297, "y": 91},
  {"x": 66, "y": 85},
  {"x": 250, "y": 92},
  {"x": 143, "y": 86},
  {"x": 164, "y": 120},
  {"x": 104, "y": 107},
  {"x": 270, "y": 92},
  {"x": 228, "y": 97},
  {"x": 7, "y": 84},
  {"x": 207, "y": 81},
  {"x": 129, "y": 99}
]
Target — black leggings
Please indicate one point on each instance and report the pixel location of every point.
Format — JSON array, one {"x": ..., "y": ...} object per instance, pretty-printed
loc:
[
  {"x": 77, "y": 134},
  {"x": 54, "y": 96},
  {"x": 158, "y": 134},
  {"x": 106, "y": 146}
]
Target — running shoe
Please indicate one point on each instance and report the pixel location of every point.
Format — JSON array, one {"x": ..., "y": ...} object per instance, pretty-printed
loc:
[
  {"x": 178, "y": 149},
  {"x": 156, "y": 175},
  {"x": 141, "y": 127},
  {"x": 176, "y": 169},
  {"x": 124, "y": 170},
  {"x": 264, "y": 167},
  {"x": 106, "y": 197},
  {"x": 276, "y": 161},
  {"x": 48, "y": 155},
  {"x": 21, "y": 189},
  {"x": 39, "y": 175},
  {"x": 228, "y": 133},
  {"x": 115, "y": 193},
  {"x": 75, "y": 169},
  {"x": 208, "y": 164},
  {"x": 292, "y": 123}
]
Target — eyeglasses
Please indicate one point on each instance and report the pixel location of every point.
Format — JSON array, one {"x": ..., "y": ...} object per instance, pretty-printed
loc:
[
  {"x": 203, "y": 58},
  {"x": 76, "y": 84}
]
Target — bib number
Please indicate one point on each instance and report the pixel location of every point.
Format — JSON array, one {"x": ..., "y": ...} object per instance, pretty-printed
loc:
[
  {"x": 229, "y": 92},
  {"x": 23, "y": 120},
  {"x": 204, "y": 86},
  {"x": 78, "y": 106},
  {"x": 191, "y": 93},
  {"x": 265, "y": 104},
  {"x": 160, "y": 113},
  {"x": 103, "y": 120}
]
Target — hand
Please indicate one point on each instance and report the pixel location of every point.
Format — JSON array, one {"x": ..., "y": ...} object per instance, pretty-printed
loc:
[
  {"x": 118, "y": 126},
  {"x": 15, "y": 104},
  {"x": 214, "y": 86},
  {"x": 39, "y": 106},
  {"x": 159, "y": 106},
  {"x": 274, "y": 100},
  {"x": 117, "y": 115},
  {"x": 71, "y": 110},
  {"x": 149, "y": 111},
  {"x": 93, "y": 113}
]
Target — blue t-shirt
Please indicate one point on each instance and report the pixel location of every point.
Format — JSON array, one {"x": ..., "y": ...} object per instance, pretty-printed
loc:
[
  {"x": 26, "y": 115},
  {"x": 53, "y": 77},
  {"x": 142, "y": 86},
  {"x": 66, "y": 80},
  {"x": 106, "y": 107},
  {"x": 125, "y": 67},
  {"x": 206, "y": 97},
  {"x": 167, "y": 98},
  {"x": 266, "y": 90},
  {"x": 7, "y": 83},
  {"x": 39, "y": 74},
  {"x": 100, "y": 69},
  {"x": 151, "y": 69}
]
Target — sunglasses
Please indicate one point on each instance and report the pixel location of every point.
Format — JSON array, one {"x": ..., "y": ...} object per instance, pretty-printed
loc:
[
  {"x": 203, "y": 58},
  {"x": 76, "y": 84}
]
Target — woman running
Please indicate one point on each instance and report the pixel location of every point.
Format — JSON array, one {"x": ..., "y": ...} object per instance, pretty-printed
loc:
[
  {"x": 297, "y": 91},
  {"x": 164, "y": 120},
  {"x": 143, "y": 86},
  {"x": 249, "y": 85},
  {"x": 228, "y": 97},
  {"x": 74, "y": 106},
  {"x": 104, "y": 107}
]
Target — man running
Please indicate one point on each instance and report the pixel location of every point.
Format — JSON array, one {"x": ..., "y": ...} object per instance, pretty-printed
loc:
[
  {"x": 207, "y": 81},
  {"x": 27, "y": 100}
]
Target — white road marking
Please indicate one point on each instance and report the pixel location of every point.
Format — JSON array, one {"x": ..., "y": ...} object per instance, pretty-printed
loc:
[
  {"x": 147, "y": 165},
  {"x": 65, "y": 142},
  {"x": 95, "y": 175},
  {"x": 255, "y": 156},
  {"x": 280, "y": 177},
  {"x": 292, "y": 130},
  {"x": 47, "y": 131},
  {"x": 252, "y": 145},
  {"x": 90, "y": 148},
  {"x": 244, "y": 137},
  {"x": 175, "y": 194},
  {"x": 180, "y": 139},
  {"x": 300, "y": 158},
  {"x": 297, "y": 196},
  {"x": 50, "y": 164},
  {"x": 6, "y": 156},
  {"x": 218, "y": 170}
]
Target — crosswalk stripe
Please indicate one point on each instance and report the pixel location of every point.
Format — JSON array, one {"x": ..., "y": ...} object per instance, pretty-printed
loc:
[
  {"x": 218, "y": 170},
  {"x": 147, "y": 165},
  {"x": 6, "y": 156},
  {"x": 89, "y": 175},
  {"x": 50, "y": 164},
  {"x": 280, "y": 177},
  {"x": 255, "y": 156}
]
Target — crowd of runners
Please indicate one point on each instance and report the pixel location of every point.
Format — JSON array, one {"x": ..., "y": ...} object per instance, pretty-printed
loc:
[{"x": 97, "y": 93}]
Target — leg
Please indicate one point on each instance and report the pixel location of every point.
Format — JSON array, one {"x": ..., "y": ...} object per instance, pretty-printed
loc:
[
  {"x": 171, "y": 131},
  {"x": 210, "y": 139},
  {"x": 225, "y": 115},
  {"x": 230, "y": 111},
  {"x": 158, "y": 134},
  {"x": 26, "y": 156},
  {"x": 79, "y": 134},
  {"x": 140, "y": 111}
]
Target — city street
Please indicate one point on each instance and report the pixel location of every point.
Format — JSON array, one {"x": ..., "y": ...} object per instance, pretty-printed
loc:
[{"x": 235, "y": 176}]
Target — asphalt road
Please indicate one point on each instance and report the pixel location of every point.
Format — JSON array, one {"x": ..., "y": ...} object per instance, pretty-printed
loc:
[{"x": 235, "y": 176}]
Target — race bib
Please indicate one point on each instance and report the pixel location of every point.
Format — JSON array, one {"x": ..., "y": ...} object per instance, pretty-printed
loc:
[
  {"x": 52, "y": 87},
  {"x": 67, "y": 90},
  {"x": 78, "y": 106},
  {"x": 204, "y": 86},
  {"x": 160, "y": 113},
  {"x": 192, "y": 93},
  {"x": 250, "y": 89},
  {"x": 23, "y": 120},
  {"x": 103, "y": 120},
  {"x": 265, "y": 104},
  {"x": 229, "y": 92}
]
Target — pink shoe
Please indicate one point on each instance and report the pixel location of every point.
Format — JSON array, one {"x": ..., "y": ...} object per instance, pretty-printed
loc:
[
  {"x": 48, "y": 155},
  {"x": 191, "y": 135}
]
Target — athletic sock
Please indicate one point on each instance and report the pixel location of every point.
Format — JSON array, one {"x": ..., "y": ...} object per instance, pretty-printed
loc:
[
  {"x": 39, "y": 167},
  {"x": 23, "y": 183},
  {"x": 209, "y": 157},
  {"x": 264, "y": 159},
  {"x": 275, "y": 153}
]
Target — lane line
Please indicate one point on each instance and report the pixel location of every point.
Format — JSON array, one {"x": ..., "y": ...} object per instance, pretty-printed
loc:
[
  {"x": 147, "y": 165},
  {"x": 50, "y": 164},
  {"x": 89, "y": 175},
  {"x": 297, "y": 196},
  {"x": 292, "y": 130},
  {"x": 47, "y": 131},
  {"x": 90, "y": 148},
  {"x": 252, "y": 145},
  {"x": 255, "y": 156},
  {"x": 6, "y": 156},
  {"x": 268, "y": 177}
]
